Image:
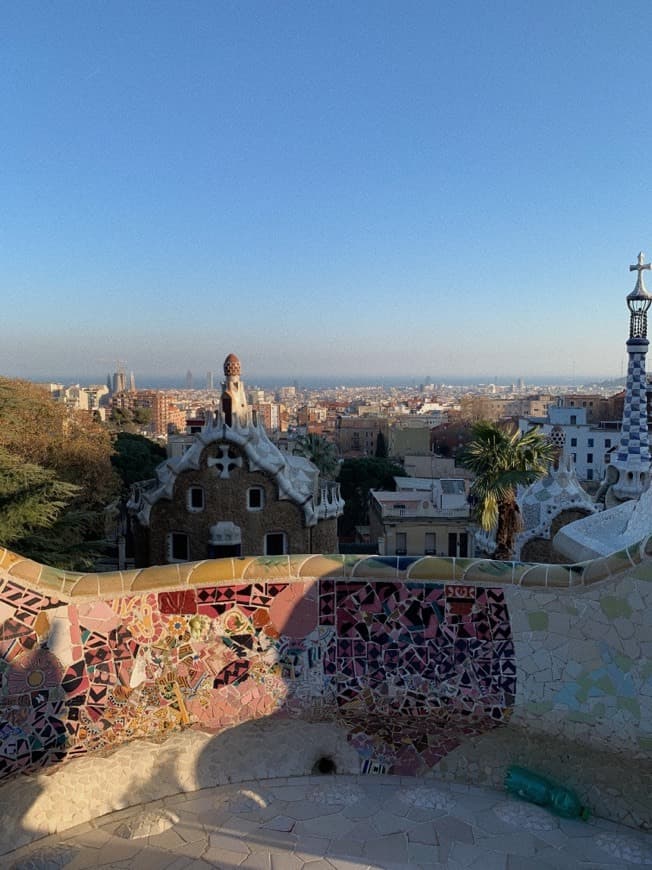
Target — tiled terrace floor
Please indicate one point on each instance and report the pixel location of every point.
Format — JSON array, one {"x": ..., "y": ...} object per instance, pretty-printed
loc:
[{"x": 339, "y": 823}]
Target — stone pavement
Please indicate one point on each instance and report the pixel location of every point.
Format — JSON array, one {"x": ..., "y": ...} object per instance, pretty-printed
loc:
[{"x": 338, "y": 823}]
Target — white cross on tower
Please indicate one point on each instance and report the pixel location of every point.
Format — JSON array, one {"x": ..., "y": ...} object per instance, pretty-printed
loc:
[
  {"x": 224, "y": 463},
  {"x": 640, "y": 266}
]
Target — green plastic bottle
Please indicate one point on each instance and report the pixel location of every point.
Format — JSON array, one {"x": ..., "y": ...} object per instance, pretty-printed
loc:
[{"x": 539, "y": 790}]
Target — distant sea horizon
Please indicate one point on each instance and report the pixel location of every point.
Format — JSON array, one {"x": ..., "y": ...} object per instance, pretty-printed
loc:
[{"x": 316, "y": 382}]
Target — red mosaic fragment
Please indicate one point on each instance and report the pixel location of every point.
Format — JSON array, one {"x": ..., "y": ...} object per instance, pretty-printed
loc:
[
  {"x": 234, "y": 672},
  {"x": 12, "y": 628},
  {"x": 183, "y": 601}
]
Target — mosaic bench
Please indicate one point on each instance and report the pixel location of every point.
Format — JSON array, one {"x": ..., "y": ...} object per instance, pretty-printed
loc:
[{"x": 417, "y": 666}]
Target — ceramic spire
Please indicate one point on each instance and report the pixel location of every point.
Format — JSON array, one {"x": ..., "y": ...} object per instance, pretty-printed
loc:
[{"x": 632, "y": 460}]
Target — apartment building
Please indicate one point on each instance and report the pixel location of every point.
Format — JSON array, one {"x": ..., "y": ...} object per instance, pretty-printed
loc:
[
  {"x": 356, "y": 437},
  {"x": 590, "y": 446},
  {"x": 424, "y": 516}
]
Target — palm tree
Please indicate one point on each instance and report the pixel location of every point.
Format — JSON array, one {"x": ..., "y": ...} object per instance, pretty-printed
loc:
[
  {"x": 501, "y": 459},
  {"x": 320, "y": 451}
]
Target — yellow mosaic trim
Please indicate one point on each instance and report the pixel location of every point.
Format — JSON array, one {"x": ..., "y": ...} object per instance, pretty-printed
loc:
[{"x": 216, "y": 572}]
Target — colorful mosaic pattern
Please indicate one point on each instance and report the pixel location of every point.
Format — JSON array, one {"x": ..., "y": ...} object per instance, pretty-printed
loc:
[
  {"x": 418, "y": 668},
  {"x": 409, "y": 668},
  {"x": 633, "y": 449},
  {"x": 438, "y": 569}
]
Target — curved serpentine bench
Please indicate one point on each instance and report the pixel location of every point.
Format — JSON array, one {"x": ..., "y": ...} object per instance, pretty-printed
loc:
[{"x": 132, "y": 685}]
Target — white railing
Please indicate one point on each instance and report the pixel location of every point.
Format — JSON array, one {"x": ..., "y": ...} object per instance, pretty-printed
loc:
[
  {"x": 329, "y": 502},
  {"x": 425, "y": 513}
]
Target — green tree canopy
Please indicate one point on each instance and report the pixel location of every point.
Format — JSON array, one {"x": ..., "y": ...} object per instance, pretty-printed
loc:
[
  {"x": 320, "y": 451},
  {"x": 55, "y": 476},
  {"x": 502, "y": 459},
  {"x": 142, "y": 416},
  {"x": 136, "y": 457},
  {"x": 130, "y": 420},
  {"x": 357, "y": 477},
  {"x": 31, "y": 497},
  {"x": 72, "y": 443}
]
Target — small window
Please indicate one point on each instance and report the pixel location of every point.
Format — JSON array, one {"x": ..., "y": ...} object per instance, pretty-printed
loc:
[
  {"x": 195, "y": 499},
  {"x": 590, "y": 443},
  {"x": 401, "y": 543},
  {"x": 449, "y": 487},
  {"x": 178, "y": 548},
  {"x": 589, "y": 458},
  {"x": 458, "y": 545},
  {"x": 400, "y": 509},
  {"x": 255, "y": 498},
  {"x": 275, "y": 544},
  {"x": 573, "y": 442},
  {"x": 589, "y": 474},
  {"x": 573, "y": 421},
  {"x": 607, "y": 442},
  {"x": 430, "y": 548}
]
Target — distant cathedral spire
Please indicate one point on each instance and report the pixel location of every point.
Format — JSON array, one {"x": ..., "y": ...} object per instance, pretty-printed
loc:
[{"x": 632, "y": 459}]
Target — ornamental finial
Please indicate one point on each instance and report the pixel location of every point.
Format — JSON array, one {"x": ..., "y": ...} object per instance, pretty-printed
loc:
[{"x": 639, "y": 267}]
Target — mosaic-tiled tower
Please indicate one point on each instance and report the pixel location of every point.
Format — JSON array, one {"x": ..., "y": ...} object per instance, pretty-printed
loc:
[{"x": 632, "y": 460}]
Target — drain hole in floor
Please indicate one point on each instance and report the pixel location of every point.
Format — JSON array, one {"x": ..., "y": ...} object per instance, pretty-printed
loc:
[{"x": 325, "y": 764}]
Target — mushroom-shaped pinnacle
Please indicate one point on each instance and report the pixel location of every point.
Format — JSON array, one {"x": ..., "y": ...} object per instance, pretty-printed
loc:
[{"x": 231, "y": 365}]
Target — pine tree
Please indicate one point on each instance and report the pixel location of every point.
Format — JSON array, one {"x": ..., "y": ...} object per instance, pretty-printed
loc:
[{"x": 55, "y": 477}]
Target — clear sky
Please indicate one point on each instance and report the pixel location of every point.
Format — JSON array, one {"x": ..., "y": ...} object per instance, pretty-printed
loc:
[{"x": 322, "y": 187}]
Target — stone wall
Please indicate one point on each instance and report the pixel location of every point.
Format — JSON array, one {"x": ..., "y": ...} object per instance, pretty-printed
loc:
[
  {"x": 428, "y": 666},
  {"x": 226, "y": 500},
  {"x": 323, "y": 537}
]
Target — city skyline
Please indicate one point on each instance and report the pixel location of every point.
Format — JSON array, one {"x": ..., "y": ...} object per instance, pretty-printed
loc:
[
  {"x": 327, "y": 190},
  {"x": 255, "y": 380}
]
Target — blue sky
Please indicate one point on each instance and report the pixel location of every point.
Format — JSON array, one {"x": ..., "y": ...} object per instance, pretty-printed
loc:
[{"x": 323, "y": 188}]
